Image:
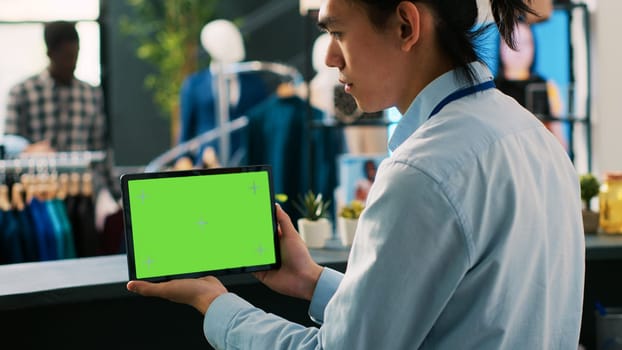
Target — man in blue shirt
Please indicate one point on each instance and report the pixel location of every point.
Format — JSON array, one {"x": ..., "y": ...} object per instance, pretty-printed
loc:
[{"x": 471, "y": 237}]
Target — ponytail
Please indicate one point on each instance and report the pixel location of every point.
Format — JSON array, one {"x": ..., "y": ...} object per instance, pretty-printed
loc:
[{"x": 507, "y": 14}]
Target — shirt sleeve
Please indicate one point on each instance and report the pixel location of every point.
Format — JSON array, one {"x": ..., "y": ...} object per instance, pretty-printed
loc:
[
  {"x": 232, "y": 323},
  {"x": 13, "y": 112},
  {"x": 324, "y": 290}
]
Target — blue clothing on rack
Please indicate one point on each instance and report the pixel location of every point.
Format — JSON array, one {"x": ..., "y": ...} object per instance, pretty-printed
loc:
[
  {"x": 69, "y": 247},
  {"x": 57, "y": 228},
  {"x": 46, "y": 239},
  {"x": 198, "y": 106},
  {"x": 28, "y": 235},
  {"x": 10, "y": 242},
  {"x": 278, "y": 135}
]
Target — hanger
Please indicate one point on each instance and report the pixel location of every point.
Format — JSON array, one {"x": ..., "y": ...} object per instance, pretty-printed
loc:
[
  {"x": 63, "y": 186},
  {"x": 183, "y": 163},
  {"x": 31, "y": 185},
  {"x": 73, "y": 185},
  {"x": 285, "y": 90},
  {"x": 44, "y": 189},
  {"x": 210, "y": 159},
  {"x": 27, "y": 180},
  {"x": 17, "y": 196},
  {"x": 5, "y": 205},
  {"x": 51, "y": 187},
  {"x": 86, "y": 188}
]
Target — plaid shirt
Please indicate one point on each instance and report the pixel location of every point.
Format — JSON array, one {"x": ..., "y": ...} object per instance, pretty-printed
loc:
[{"x": 70, "y": 117}]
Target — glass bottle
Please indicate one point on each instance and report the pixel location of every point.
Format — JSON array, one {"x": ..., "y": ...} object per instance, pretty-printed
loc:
[{"x": 610, "y": 203}]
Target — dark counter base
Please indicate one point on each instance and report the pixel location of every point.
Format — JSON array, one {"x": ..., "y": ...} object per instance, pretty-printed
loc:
[
  {"x": 35, "y": 314},
  {"x": 129, "y": 322}
]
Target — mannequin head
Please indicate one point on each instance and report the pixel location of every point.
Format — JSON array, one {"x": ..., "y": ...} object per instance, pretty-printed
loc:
[
  {"x": 223, "y": 41},
  {"x": 326, "y": 78},
  {"x": 518, "y": 64},
  {"x": 320, "y": 47}
]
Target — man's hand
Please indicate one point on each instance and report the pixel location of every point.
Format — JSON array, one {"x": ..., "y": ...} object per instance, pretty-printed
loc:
[
  {"x": 198, "y": 293},
  {"x": 298, "y": 274},
  {"x": 39, "y": 147}
]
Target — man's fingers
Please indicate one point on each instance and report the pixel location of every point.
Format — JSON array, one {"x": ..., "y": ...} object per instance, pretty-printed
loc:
[
  {"x": 148, "y": 289},
  {"x": 285, "y": 222},
  {"x": 141, "y": 287}
]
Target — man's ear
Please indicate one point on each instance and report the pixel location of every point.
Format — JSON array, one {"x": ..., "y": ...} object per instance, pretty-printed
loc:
[{"x": 409, "y": 18}]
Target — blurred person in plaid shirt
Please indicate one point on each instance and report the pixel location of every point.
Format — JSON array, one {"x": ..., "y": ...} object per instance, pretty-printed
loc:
[{"x": 57, "y": 112}]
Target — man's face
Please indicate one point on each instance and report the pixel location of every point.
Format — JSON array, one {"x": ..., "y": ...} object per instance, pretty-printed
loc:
[
  {"x": 63, "y": 61},
  {"x": 365, "y": 56}
]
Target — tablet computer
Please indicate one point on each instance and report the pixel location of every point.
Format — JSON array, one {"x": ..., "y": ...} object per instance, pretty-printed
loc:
[{"x": 191, "y": 223}]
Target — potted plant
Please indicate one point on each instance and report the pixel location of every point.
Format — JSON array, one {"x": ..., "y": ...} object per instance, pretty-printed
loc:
[
  {"x": 314, "y": 226},
  {"x": 348, "y": 219},
  {"x": 590, "y": 187}
]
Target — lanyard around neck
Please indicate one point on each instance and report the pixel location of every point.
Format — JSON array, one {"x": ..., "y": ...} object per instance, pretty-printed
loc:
[{"x": 456, "y": 95}]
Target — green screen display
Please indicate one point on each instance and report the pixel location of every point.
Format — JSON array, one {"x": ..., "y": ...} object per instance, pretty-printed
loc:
[{"x": 193, "y": 224}]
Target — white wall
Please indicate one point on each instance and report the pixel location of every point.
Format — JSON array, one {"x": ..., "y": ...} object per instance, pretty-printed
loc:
[{"x": 606, "y": 91}]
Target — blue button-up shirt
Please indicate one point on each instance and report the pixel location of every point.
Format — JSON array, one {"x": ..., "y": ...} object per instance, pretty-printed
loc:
[{"x": 471, "y": 239}]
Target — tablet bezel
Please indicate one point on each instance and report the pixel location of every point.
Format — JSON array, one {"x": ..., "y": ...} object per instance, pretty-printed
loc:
[{"x": 127, "y": 223}]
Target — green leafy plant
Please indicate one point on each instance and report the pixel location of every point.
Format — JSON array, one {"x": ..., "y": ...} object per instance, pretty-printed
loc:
[
  {"x": 168, "y": 36},
  {"x": 589, "y": 188},
  {"x": 352, "y": 210},
  {"x": 312, "y": 206}
]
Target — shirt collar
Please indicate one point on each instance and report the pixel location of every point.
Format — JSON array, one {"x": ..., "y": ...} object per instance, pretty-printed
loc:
[
  {"x": 47, "y": 79},
  {"x": 430, "y": 96}
]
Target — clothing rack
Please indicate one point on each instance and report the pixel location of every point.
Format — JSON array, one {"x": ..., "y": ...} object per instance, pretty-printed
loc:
[
  {"x": 283, "y": 70},
  {"x": 77, "y": 160},
  {"x": 223, "y": 74},
  {"x": 194, "y": 144}
]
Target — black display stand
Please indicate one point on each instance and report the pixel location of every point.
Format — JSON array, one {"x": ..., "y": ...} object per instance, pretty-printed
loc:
[{"x": 83, "y": 303}]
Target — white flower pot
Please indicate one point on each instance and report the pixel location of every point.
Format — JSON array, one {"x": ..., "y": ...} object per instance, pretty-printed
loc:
[
  {"x": 315, "y": 233},
  {"x": 347, "y": 228}
]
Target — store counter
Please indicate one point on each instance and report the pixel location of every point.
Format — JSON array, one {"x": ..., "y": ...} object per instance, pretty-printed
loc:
[
  {"x": 83, "y": 303},
  {"x": 603, "y": 247},
  {"x": 37, "y": 284}
]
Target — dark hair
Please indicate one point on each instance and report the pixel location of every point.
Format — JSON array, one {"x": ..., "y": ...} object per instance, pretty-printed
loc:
[
  {"x": 366, "y": 164},
  {"x": 532, "y": 66},
  {"x": 455, "y": 24},
  {"x": 59, "y": 32}
]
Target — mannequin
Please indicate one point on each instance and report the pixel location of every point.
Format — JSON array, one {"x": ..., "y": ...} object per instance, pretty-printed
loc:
[
  {"x": 223, "y": 41},
  {"x": 325, "y": 80},
  {"x": 202, "y": 105}
]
